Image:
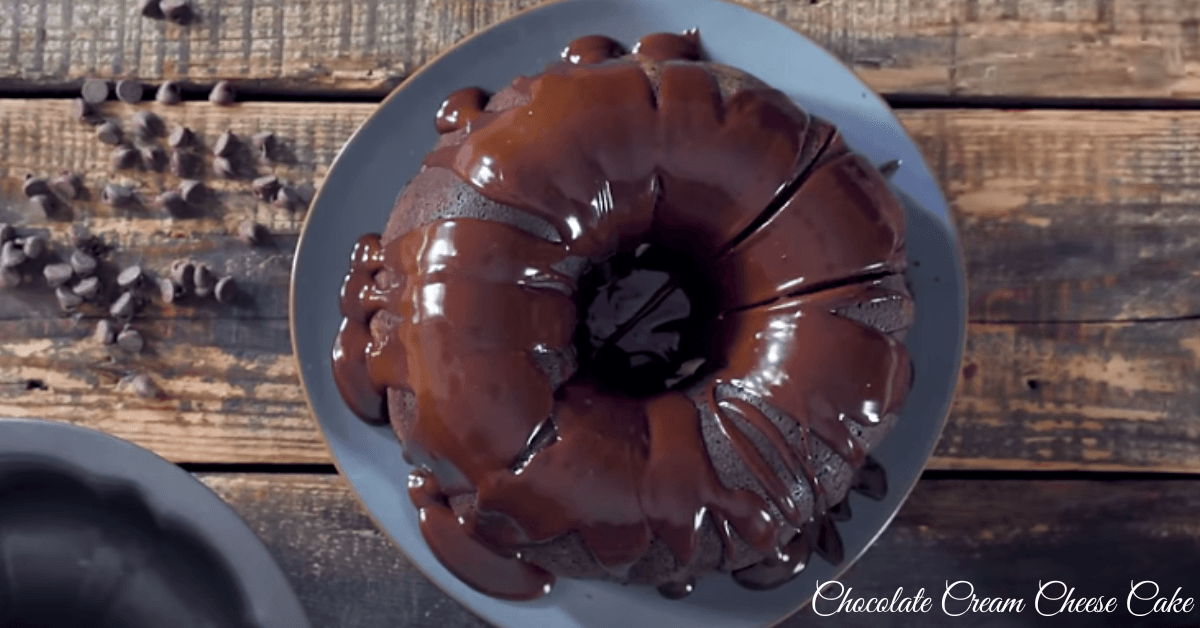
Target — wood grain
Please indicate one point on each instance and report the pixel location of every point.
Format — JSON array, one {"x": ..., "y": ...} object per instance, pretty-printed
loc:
[
  {"x": 1001, "y": 535},
  {"x": 1076, "y": 226},
  {"x": 1081, "y": 48}
]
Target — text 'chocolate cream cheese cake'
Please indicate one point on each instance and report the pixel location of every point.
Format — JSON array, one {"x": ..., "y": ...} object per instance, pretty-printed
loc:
[{"x": 638, "y": 318}]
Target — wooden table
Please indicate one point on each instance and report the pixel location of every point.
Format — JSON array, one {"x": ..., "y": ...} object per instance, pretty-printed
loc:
[{"x": 1064, "y": 134}]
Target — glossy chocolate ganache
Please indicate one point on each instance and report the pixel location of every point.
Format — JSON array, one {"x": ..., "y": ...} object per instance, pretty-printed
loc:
[{"x": 638, "y": 318}]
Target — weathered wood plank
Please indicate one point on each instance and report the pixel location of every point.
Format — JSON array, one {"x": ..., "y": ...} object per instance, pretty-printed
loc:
[
  {"x": 1086, "y": 48},
  {"x": 1095, "y": 536}
]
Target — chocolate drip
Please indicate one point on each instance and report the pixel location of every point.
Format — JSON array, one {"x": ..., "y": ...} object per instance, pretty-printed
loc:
[
  {"x": 592, "y": 49},
  {"x": 750, "y": 190}
]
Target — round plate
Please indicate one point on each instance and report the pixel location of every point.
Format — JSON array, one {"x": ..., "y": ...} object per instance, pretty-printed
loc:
[
  {"x": 375, "y": 164},
  {"x": 97, "y": 531}
]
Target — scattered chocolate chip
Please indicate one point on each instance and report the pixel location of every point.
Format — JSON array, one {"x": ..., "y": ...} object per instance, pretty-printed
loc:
[
  {"x": 6, "y": 232},
  {"x": 58, "y": 274},
  {"x": 226, "y": 290},
  {"x": 185, "y": 163},
  {"x": 110, "y": 133},
  {"x": 84, "y": 111},
  {"x": 144, "y": 386},
  {"x": 130, "y": 277},
  {"x": 34, "y": 186},
  {"x": 88, "y": 288},
  {"x": 68, "y": 301},
  {"x": 106, "y": 332},
  {"x": 130, "y": 340},
  {"x": 152, "y": 10},
  {"x": 267, "y": 145},
  {"x": 169, "y": 94},
  {"x": 68, "y": 186},
  {"x": 203, "y": 280},
  {"x": 168, "y": 290},
  {"x": 154, "y": 157},
  {"x": 182, "y": 272},
  {"x": 126, "y": 157},
  {"x": 223, "y": 167},
  {"x": 82, "y": 263},
  {"x": 34, "y": 246},
  {"x": 222, "y": 94},
  {"x": 117, "y": 195},
  {"x": 124, "y": 307},
  {"x": 251, "y": 232},
  {"x": 287, "y": 197},
  {"x": 79, "y": 236},
  {"x": 41, "y": 206},
  {"x": 9, "y": 278},
  {"x": 193, "y": 191},
  {"x": 226, "y": 144},
  {"x": 147, "y": 125},
  {"x": 172, "y": 202},
  {"x": 11, "y": 255},
  {"x": 265, "y": 187},
  {"x": 94, "y": 91},
  {"x": 129, "y": 91},
  {"x": 181, "y": 136},
  {"x": 178, "y": 11}
]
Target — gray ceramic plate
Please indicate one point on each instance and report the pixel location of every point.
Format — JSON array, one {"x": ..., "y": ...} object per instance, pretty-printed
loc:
[
  {"x": 96, "y": 531},
  {"x": 374, "y": 166}
]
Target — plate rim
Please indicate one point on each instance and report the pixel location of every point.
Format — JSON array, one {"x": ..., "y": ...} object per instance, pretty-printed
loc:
[
  {"x": 302, "y": 240},
  {"x": 169, "y": 490}
]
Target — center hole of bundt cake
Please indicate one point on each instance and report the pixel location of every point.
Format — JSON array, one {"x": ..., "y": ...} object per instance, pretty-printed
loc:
[{"x": 645, "y": 320}]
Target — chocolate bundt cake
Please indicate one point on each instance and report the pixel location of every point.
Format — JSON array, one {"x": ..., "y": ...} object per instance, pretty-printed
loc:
[{"x": 638, "y": 318}]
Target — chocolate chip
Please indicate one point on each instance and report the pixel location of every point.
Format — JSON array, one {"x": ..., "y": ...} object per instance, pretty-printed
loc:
[
  {"x": 124, "y": 307},
  {"x": 144, "y": 386},
  {"x": 265, "y": 187},
  {"x": 147, "y": 125},
  {"x": 82, "y": 263},
  {"x": 88, "y": 288},
  {"x": 117, "y": 195},
  {"x": 84, "y": 111},
  {"x": 226, "y": 290},
  {"x": 129, "y": 91},
  {"x": 267, "y": 145},
  {"x": 154, "y": 157},
  {"x": 185, "y": 163},
  {"x": 6, "y": 232},
  {"x": 41, "y": 206},
  {"x": 222, "y": 94},
  {"x": 226, "y": 144},
  {"x": 106, "y": 332},
  {"x": 152, "y": 10},
  {"x": 287, "y": 197},
  {"x": 178, "y": 11},
  {"x": 9, "y": 278},
  {"x": 68, "y": 301},
  {"x": 181, "y": 272},
  {"x": 109, "y": 133},
  {"x": 126, "y": 157},
  {"x": 251, "y": 232},
  {"x": 181, "y": 136},
  {"x": 34, "y": 186},
  {"x": 94, "y": 91},
  {"x": 34, "y": 246},
  {"x": 169, "y": 94},
  {"x": 130, "y": 277},
  {"x": 130, "y": 340},
  {"x": 168, "y": 290},
  {"x": 172, "y": 202},
  {"x": 192, "y": 191},
  {"x": 58, "y": 274},
  {"x": 11, "y": 255},
  {"x": 223, "y": 167},
  {"x": 203, "y": 280},
  {"x": 68, "y": 186}
]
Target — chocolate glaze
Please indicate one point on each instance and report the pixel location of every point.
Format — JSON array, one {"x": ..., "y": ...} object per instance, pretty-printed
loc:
[{"x": 757, "y": 193}]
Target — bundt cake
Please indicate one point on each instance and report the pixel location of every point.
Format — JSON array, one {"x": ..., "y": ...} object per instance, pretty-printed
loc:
[{"x": 638, "y": 318}]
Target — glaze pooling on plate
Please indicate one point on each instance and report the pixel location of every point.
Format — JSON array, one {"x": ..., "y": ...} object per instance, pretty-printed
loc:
[{"x": 749, "y": 190}]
